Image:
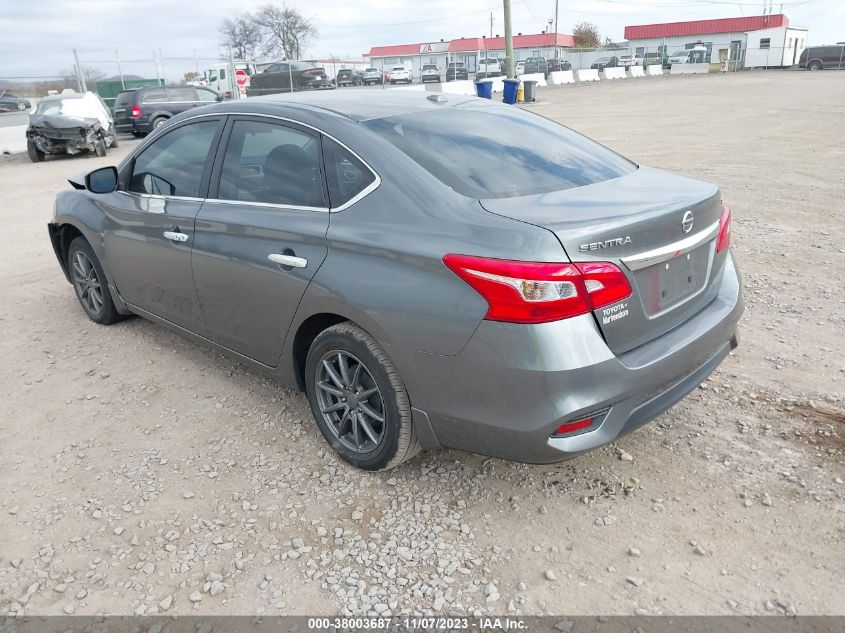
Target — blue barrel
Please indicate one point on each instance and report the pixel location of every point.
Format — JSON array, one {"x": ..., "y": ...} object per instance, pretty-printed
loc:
[
  {"x": 484, "y": 89},
  {"x": 509, "y": 92}
]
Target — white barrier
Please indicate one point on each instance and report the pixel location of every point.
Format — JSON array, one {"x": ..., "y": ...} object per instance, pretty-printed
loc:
[
  {"x": 462, "y": 87},
  {"x": 654, "y": 70},
  {"x": 540, "y": 78},
  {"x": 13, "y": 139},
  {"x": 614, "y": 73},
  {"x": 559, "y": 77},
  {"x": 689, "y": 69},
  {"x": 587, "y": 74},
  {"x": 637, "y": 71},
  {"x": 498, "y": 83}
]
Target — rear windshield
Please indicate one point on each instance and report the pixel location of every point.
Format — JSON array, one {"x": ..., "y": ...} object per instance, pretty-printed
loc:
[
  {"x": 495, "y": 151},
  {"x": 124, "y": 98}
]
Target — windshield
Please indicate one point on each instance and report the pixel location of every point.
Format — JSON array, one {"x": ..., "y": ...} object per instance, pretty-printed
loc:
[
  {"x": 59, "y": 107},
  {"x": 680, "y": 54},
  {"x": 528, "y": 154},
  {"x": 371, "y": 70},
  {"x": 398, "y": 68},
  {"x": 429, "y": 67}
]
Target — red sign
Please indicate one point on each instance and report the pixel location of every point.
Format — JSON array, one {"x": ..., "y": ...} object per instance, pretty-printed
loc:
[{"x": 241, "y": 77}]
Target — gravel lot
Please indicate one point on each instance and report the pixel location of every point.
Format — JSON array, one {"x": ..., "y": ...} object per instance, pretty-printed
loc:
[{"x": 141, "y": 473}]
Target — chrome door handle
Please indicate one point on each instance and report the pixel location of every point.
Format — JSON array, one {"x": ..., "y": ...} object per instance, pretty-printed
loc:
[
  {"x": 174, "y": 236},
  {"x": 288, "y": 260}
]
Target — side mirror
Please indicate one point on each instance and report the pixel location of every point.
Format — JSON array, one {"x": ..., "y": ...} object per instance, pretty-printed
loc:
[
  {"x": 220, "y": 97},
  {"x": 103, "y": 180}
]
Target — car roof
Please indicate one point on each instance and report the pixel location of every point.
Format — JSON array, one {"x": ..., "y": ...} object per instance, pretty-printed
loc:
[
  {"x": 61, "y": 97},
  {"x": 357, "y": 105}
]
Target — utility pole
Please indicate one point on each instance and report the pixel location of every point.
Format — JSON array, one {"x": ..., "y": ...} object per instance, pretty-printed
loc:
[
  {"x": 80, "y": 74},
  {"x": 508, "y": 39},
  {"x": 556, "y": 55},
  {"x": 491, "y": 25}
]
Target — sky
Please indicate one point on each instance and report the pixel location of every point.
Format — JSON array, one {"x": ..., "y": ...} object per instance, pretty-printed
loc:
[{"x": 38, "y": 36}]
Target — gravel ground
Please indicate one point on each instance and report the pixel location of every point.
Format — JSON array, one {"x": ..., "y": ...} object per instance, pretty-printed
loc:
[{"x": 141, "y": 473}]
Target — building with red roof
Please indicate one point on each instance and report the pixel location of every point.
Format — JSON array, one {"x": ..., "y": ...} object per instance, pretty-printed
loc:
[
  {"x": 467, "y": 50},
  {"x": 749, "y": 41}
]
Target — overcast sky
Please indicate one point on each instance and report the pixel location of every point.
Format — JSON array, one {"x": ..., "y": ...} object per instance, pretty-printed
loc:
[{"x": 38, "y": 35}]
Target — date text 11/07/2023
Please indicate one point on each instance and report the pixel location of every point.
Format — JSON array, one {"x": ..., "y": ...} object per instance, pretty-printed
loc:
[{"x": 418, "y": 623}]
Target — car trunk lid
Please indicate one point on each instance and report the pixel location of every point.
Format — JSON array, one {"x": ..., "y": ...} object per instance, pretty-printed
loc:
[{"x": 659, "y": 228}]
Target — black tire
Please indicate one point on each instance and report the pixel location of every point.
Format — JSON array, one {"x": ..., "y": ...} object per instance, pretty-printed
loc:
[
  {"x": 35, "y": 154},
  {"x": 158, "y": 122},
  {"x": 100, "y": 147},
  {"x": 98, "y": 306},
  {"x": 137, "y": 134},
  {"x": 397, "y": 441},
  {"x": 814, "y": 65}
]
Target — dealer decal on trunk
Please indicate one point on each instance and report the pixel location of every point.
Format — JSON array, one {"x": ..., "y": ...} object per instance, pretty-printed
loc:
[{"x": 614, "y": 313}]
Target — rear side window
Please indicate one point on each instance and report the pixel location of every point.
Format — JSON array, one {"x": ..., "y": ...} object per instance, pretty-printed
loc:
[
  {"x": 346, "y": 175},
  {"x": 156, "y": 95},
  {"x": 181, "y": 94},
  {"x": 272, "y": 163},
  {"x": 173, "y": 164},
  {"x": 493, "y": 151}
]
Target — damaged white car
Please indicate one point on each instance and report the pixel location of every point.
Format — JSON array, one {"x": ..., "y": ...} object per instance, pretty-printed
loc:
[{"x": 70, "y": 123}]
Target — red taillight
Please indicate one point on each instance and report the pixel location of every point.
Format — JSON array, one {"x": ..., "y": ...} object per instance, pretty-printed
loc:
[
  {"x": 724, "y": 229},
  {"x": 312, "y": 73},
  {"x": 136, "y": 111},
  {"x": 539, "y": 292}
]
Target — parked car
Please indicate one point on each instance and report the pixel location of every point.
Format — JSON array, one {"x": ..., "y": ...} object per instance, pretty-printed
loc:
[
  {"x": 373, "y": 76},
  {"x": 651, "y": 59},
  {"x": 399, "y": 74},
  {"x": 536, "y": 65},
  {"x": 346, "y": 77},
  {"x": 456, "y": 71},
  {"x": 277, "y": 78},
  {"x": 141, "y": 110},
  {"x": 519, "y": 68},
  {"x": 430, "y": 72},
  {"x": 488, "y": 67},
  {"x": 70, "y": 123},
  {"x": 605, "y": 62},
  {"x": 13, "y": 103},
  {"x": 822, "y": 57},
  {"x": 630, "y": 60},
  {"x": 519, "y": 305},
  {"x": 554, "y": 65}
]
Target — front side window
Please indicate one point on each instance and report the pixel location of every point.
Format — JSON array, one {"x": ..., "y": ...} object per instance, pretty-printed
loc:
[
  {"x": 272, "y": 163},
  {"x": 531, "y": 153},
  {"x": 765, "y": 42},
  {"x": 346, "y": 175},
  {"x": 206, "y": 95},
  {"x": 173, "y": 164}
]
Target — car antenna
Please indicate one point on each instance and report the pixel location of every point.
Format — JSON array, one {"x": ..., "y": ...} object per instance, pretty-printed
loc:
[{"x": 437, "y": 98}]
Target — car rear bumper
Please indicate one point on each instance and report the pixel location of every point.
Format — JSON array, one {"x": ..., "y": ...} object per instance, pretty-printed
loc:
[{"x": 513, "y": 385}]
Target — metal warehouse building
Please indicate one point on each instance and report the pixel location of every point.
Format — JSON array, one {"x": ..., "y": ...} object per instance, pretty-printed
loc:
[
  {"x": 467, "y": 50},
  {"x": 749, "y": 42}
]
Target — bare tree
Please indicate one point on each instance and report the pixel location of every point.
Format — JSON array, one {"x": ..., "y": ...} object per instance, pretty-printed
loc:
[
  {"x": 92, "y": 76},
  {"x": 286, "y": 30},
  {"x": 189, "y": 76},
  {"x": 586, "y": 35},
  {"x": 243, "y": 34}
]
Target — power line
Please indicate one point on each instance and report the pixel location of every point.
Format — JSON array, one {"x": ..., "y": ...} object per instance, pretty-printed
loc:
[{"x": 437, "y": 19}]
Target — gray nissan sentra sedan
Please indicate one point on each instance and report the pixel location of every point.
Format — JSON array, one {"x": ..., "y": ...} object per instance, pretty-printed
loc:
[{"x": 432, "y": 270}]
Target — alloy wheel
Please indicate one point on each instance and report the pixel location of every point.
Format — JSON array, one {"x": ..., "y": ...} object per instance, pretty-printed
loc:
[
  {"x": 87, "y": 283},
  {"x": 350, "y": 401}
]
